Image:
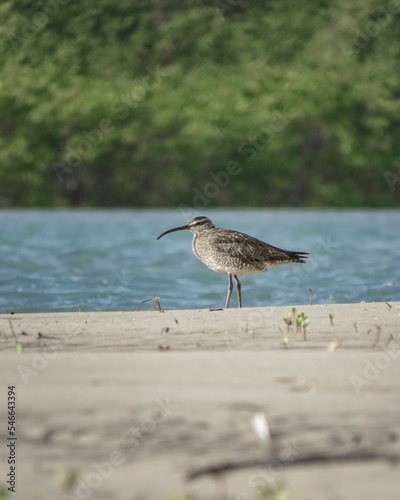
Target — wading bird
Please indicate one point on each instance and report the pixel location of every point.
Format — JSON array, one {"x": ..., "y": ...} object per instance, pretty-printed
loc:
[{"x": 234, "y": 253}]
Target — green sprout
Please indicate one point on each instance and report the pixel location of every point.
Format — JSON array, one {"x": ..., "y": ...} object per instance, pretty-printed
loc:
[
  {"x": 298, "y": 320},
  {"x": 331, "y": 316},
  {"x": 157, "y": 303},
  {"x": 287, "y": 318},
  {"x": 285, "y": 342},
  {"x": 302, "y": 321}
]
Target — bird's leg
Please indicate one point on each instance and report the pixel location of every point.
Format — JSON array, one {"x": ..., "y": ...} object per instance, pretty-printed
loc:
[
  {"x": 230, "y": 288},
  {"x": 238, "y": 288}
]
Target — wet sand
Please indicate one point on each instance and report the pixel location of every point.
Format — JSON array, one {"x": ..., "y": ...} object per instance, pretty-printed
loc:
[{"x": 144, "y": 405}]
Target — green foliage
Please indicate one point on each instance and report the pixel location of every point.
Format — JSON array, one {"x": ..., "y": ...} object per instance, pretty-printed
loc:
[{"x": 141, "y": 103}]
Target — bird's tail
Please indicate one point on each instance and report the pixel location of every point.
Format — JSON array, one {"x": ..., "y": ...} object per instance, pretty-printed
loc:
[{"x": 298, "y": 257}]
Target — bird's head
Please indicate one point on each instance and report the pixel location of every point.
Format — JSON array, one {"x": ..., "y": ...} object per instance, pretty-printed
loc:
[{"x": 197, "y": 225}]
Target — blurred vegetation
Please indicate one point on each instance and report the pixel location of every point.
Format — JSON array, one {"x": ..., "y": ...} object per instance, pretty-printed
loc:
[{"x": 145, "y": 103}]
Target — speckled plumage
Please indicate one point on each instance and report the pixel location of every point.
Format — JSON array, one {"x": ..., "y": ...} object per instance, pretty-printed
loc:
[{"x": 233, "y": 252}]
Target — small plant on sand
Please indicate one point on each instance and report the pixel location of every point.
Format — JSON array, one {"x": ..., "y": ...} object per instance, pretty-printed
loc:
[
  {"x": 157, "y": 305},
  {"x": 331, "y": 316},
  {"x": 302, "y": 322},
  {"x": 285, "y": 342},
  {"x": 18, "y": 345},
  {"x": 298, "y": 322},
  {"x": 288, "y": 320}
]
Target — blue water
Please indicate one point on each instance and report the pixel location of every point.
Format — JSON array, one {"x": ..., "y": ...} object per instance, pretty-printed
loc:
[{"x": 70, "y": 260}]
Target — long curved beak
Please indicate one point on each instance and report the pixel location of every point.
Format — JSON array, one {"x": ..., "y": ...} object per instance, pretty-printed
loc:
[{"x": 180, "y": 228}]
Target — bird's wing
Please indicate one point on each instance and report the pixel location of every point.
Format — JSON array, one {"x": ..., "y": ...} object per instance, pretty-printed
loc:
[{"x": 246, "y": 248}]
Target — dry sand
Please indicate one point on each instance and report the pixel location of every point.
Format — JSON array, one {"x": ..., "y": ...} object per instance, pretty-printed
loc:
[{"x": 125, "y": 405}]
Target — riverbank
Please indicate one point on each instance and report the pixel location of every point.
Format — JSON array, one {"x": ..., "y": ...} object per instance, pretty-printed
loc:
[{"x": 122, "y": 404}]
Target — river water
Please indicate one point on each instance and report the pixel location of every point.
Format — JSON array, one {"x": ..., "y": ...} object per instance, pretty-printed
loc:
[{"x": 96, "y": 260}]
